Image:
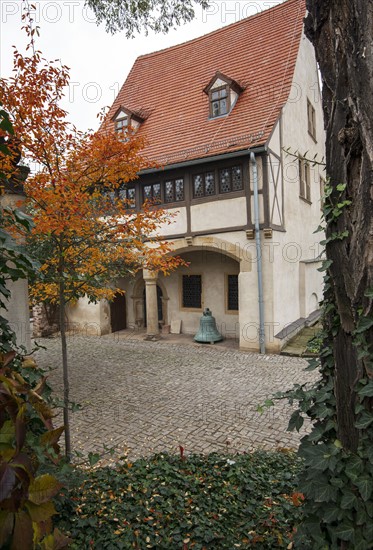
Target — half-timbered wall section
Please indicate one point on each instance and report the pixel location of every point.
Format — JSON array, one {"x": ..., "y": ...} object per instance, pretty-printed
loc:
[
  {"x": 213, "y": 196},
  {"x": 301, "y": 207},
  {"x": 275, "y": 188}
]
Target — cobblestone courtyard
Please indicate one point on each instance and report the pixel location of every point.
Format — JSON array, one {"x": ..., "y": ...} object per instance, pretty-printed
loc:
[{"x": 146, "y": 397}]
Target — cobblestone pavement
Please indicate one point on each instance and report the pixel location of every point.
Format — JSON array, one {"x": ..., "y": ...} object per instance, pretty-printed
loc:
[{"x": 147, "y": 397}]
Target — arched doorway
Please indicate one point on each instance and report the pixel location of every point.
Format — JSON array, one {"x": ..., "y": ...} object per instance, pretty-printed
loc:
[
  {"x": 118, "y": 313},
  {"x": 159, "y": 305}
]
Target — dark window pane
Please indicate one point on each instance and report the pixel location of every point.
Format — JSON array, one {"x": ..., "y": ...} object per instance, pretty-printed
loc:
[
  {"x": 307, "y": 180},
  {"x": 233, "y": 292},
  {"x": 223, "y": 107},
  {"x": 198, "y": 185},
  {"x": 192, "y": 291},
  {"x": 301, "y": 178},
  {"x": 169, "y": 191},
  {"x": 128, "y": 195},
  {"x": 236, "y": 178},
  {"x": 174, "y": 190},
  {"x": 179, "y": 190},
  {"x": 147, "y": 192},
  {"x": 157, "y": 192},
  {"x": 225, "y": 180},
  {"x": 215, "y": 108},
  {"x": 209, "y": 184},
  {"x": 131, "y": 196}
]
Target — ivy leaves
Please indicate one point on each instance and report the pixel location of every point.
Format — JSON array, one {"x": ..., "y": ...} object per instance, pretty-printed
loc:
[
  {"x": 195, "y": 502},
  {"x": 337, "y": 482}
]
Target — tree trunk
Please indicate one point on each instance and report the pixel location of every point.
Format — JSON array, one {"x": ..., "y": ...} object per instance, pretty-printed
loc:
[
  {"x": 342, "y": 34},
  {"x": 66, "y": 387}
]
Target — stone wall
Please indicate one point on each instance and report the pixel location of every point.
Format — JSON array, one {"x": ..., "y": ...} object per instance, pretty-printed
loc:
[{"x": 41, "y": 326}]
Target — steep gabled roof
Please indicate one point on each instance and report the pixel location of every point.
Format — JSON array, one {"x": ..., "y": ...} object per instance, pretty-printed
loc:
[{"x": 259, "y": 53}]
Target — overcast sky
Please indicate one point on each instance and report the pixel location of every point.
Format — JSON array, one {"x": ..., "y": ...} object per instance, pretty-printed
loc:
[{"x": 99, "y": 62}]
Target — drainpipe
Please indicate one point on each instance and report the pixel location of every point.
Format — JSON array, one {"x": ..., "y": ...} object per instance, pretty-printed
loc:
[{"x": 258, "y": 254}]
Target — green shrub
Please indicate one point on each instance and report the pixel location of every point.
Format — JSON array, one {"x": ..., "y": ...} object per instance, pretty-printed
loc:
[
  {"x": 27, "y": 438},
  {"x": 315, "y": 343}
]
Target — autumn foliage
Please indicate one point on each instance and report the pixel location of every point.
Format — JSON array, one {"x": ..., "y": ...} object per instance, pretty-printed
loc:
[
  {"x": 75, "y": 191},
  {"x": 75, "y": 187}
]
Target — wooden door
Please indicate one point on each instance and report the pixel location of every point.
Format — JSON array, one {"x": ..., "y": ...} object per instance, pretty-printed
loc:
[{"x": 118, "y": 313}]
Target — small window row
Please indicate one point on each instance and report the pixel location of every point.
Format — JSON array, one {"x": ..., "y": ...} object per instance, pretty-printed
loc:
[
  {"x": 205, "y": 184},
  {"x": 168, "y": 191},
  {"x": 126, "y": 193},
  {"x": 229, "y": 180}
]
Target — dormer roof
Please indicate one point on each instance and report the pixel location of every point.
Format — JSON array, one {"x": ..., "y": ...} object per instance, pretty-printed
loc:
[
  {"x": 218, "y": 76},
  {"x": 256, "y": 55},
  {"x": 123, "y": 111}
]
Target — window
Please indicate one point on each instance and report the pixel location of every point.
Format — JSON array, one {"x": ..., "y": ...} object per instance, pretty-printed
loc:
[
  {"x": 230, "y": 179},
  {"x": 174, "y": 190},
  {"x": 121, "y": 125},
  {"x": 152, "y": 192},
  {"x": 322, "y": 192},
  {"x": 129, "y": 195},
  {"x": 219, "y": 101},
  {"x": 223, "y": 93},
  {"x": 304, "y": 179},
  {"x": 232, "y": 293},
  {"x": 167, "y": 191},
  {"x": 192, "y": 291},
  {"x": 311, "y": 117},
  {"x": 204, "y": 185}
]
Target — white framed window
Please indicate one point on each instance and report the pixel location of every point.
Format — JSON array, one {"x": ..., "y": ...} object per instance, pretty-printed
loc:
[
  {"x": 311, "y": 119},
  {"x": 121, "y": 125},
  {"x": 223, "y": 93},
  {"x": 304, "y": 179},
  {"x": 219, "y": 101}
]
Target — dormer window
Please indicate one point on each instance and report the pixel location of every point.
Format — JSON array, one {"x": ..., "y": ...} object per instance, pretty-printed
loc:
[
  {"x": 125, "y": 120},
  {"x": 223, "y": 93}
]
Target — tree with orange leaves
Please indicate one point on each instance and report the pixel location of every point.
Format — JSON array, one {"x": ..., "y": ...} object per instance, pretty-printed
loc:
[{"x": 75, "y": 194}]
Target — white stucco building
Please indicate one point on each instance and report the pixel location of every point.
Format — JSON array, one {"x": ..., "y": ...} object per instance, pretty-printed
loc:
[
  {"x": 17, "y": 311},
  {"x": 216, "y": 110}
]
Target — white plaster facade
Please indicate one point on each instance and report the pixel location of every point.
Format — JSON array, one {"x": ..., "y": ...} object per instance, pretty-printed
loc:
[{"x": 217, "y": 236}]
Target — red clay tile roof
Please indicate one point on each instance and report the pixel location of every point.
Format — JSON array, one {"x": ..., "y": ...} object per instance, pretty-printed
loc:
[{"x": 258, "y": 52}]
